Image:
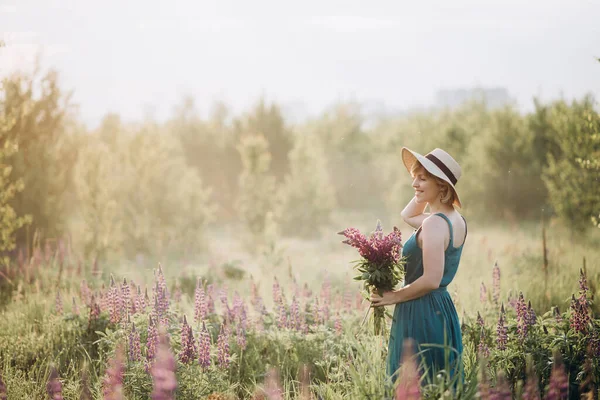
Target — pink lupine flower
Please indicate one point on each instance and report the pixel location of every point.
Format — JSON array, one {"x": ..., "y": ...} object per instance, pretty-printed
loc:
[
  {"x": 273, "y": 389},
  {"x": 85, "y": 292},
  {"x": 210, "y": 300},
  {"x": 580, "y": 316},
  {"x": 502, "y": 330},
  {"x": 483, "y": 348},
  {"x": 238, "y": 305},
  {"x": 223, "y": 347},
  {"x": 228, "y": 314},
  {"x": 152, "y": 340},
  {"x": 531, "y": 391},
  {"x": 409, "y": 387},
  {"x": 480, "y": 320},
  {"x": 204, "y": 347},
  {"x": 188, "y": 343},
  {"x": 114, "y": 302},
  {"x": 338, "y": 323},
  {"x": 496, "y": 283},
  {"x": 502, "y": 389},
  {"x": 112, "y": 386},
  {"x": 94, "y": 309},
  {"x": 74, "y": 307},
  {"x": 241, "y": 337},
  {"x": 135, "y": 353},
  {"x": 125, "y": 297},
  {"x": 200, "y": 308},
  {"x": 530, "y": 316},
  {"x": 163, "y": 371},
  {"x": 54, "y": 387},
  {"x": 295, "y": 321},
  {"x": 482, "y": 293},
  {"x": 522, "y": 317},
  {"x": 58, "y": 304},
  {"x": 282, "y": 319},
  {"x": 558, "y": 387}
]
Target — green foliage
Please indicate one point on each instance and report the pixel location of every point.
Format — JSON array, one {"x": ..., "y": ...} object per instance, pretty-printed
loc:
[
  {"x": 35, "y": 111},
  {"x": 307, "y": 194},
  {"x": 256, "y": 203},
  {"x": 573, "y": 171}
]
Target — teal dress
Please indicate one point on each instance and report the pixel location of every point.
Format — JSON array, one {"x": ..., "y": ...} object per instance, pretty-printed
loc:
[{"x": 429, "y": 319}]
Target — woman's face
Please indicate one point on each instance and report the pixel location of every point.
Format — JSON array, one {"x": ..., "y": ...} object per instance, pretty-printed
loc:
[{"x": 426, "y": 188}]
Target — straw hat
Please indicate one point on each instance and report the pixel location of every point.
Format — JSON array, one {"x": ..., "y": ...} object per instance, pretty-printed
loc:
[{"x": 438, "y": 163}]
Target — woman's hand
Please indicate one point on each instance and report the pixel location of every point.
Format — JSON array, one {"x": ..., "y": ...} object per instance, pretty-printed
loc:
[{"x": 388, "y": 298}]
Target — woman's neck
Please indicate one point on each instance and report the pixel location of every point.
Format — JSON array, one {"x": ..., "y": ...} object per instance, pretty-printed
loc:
[{"x": 438, "y": 206}]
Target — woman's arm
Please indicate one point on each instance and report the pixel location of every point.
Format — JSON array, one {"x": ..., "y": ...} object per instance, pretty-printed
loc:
[
  {"x": 413, "y": 213},
  {"x": 433, "y": 234}
]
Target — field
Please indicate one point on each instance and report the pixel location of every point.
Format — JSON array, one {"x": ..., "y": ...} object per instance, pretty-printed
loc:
[{"x": 285, "y": 324}]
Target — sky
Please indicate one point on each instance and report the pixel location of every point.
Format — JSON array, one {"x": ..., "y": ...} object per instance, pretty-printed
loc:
[{"x": 141, "y": 57}]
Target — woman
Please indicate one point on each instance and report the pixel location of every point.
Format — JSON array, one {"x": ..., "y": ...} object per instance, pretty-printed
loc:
[{"x": 424, "y": 310}]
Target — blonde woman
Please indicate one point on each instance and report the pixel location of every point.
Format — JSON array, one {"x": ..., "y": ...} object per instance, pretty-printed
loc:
[{"x": 424, "y": 311}]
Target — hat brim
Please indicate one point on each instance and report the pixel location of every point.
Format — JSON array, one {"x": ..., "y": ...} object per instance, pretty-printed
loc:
[{"x": 409, "y": 157}]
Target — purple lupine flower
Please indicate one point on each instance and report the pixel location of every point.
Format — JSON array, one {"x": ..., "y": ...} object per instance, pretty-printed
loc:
[
  {"x": 135, "y": 353},
  {"x": 188, "y": 343},
  {"x": 557, "y": 315},
  {"x": 502, "y": 330},
  {"x": 238, "y": 305},
  {"x": 409, "y": 387},
  {"x": 496, "y": 283},
  {"x": 199, "y": 302},
  {"x": 282, "y": 319},
  {"x": 480, "y": 320},
  {"x": 583, "y": 286},
  {"x": 210, "y": 300},
  {"x": 58, "y": 304},
  {"x": 54, "y": 387},
  {"x": 241, "y": 337},
  {"x": 295, "y": 314},
  {"x": 3, "y": 392},
  {"x": 338, "y": 323},
  {"x": 223, "y": 347},
  {"x": 594, "y": 344},
  {"x": 483, "y": 348},
  {"x": 579, "y": 316},
  {"x": 531, "y": 390},
  {"x": 138, "y": 300},
  {"x": 125, "y": 297},
  {"x": 145, "y": 301},
  {"x": 376, "y": 248},
  {"x": 152, "y": 340},
  {"x": 259, "y": 306},
  {"x": 482, "y": 293},
  {"x": 530, "y": 316},
  {"x": 228, "y": 314},
  {"x": 74, "y": 307},
  {"x": 502, "y": 389},
  {"x": 94, "y": 309},
  {"x": 112, "y": 386},
  {"x": 204, "y": 347},
  {"x": 558, "y": 387},
  {"x": 163, "y": 371},
  {"x": 114, "y": 302},
  {"x": 522, "y": 316}
]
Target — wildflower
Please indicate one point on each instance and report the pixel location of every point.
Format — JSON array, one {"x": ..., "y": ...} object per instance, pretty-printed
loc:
[
  {"x": 338, "y": 323},
  {"x": 502, "y": 330},
  {"x": 502, "y": 390},
  {"x": 163, "y": 371},
  {"x": 125, "y": 297},
  {"x": 496, "y": 283},
  {"x": 200, "y": 308},
  {"x": 295, "y": 315},
  {"x": 482, "y": 293},
  {"x": 152, "y": 339},
  {"x": 480, "y": 321},
  {"x": 530, "y": 316},
  {"x": 135, "y": 353},
  {"x": 188, "y": 343},
  {"x": 112, "y": 388},
  {"x": 204, "y": 347},
  {"x": 282, "y": 320},
  {"x": 558, "y": 387},
  {"x": 210, "y": 300},
  {"x": 483, "y": 348},
  {"x": 408, "y": 387},
  {"x": 557, "y": 315},
  {"x": 522, "y": 316},
  {"x": 54, "y": 387},
  {"x": 223, "y": 347},
  {"x": 85, "y": 292},
  {"x": 579, "y": 315},
  {"x": 241, "y": 337}
]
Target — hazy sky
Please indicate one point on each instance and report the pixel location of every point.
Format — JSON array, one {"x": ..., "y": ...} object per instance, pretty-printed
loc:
[{"x": 136, "y": 56}]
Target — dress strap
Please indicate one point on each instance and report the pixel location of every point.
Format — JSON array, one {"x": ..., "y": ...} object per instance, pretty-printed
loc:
[
  {"x": 451, "y": 245},
  {"x": 466, "y": 229}
]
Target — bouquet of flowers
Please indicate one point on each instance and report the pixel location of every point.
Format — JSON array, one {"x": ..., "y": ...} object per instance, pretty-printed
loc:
[{"x": 381, "y": 266}]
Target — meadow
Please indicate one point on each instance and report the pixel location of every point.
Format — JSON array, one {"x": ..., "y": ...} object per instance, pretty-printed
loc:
[{"x": 198, "y": 257}]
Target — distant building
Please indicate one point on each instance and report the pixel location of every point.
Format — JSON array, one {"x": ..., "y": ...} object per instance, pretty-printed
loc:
[{"x": 451, "y": 98}]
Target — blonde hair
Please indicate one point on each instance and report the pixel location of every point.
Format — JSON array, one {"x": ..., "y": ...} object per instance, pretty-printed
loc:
[{"x": 448, "y": 195}]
